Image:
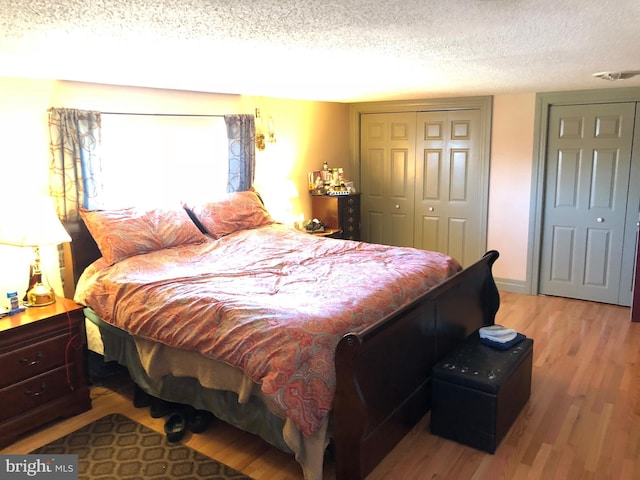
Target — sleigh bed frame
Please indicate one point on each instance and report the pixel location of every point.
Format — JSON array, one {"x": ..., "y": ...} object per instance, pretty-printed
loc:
[{"x": 383, "y": 373}]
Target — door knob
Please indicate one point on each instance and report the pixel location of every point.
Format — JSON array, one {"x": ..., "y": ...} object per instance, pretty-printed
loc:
[
  {"x": 431, "y": 209},
  {"x": 397, "y": 206},
  {"x": 600, "y": 220}
]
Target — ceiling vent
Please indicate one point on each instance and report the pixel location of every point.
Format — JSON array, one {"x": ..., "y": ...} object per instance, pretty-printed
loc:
[{"x": 611, "y": 76}]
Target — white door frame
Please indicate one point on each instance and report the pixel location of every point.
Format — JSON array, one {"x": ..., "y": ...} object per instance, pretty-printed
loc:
[{"x": 543, "y": 103}]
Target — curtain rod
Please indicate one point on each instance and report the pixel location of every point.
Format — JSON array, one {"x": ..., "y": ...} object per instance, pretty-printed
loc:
[{"x": 162, "y": 114}]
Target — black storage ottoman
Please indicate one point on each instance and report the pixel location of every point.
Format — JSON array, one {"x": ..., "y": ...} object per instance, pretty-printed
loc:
[{"x": 478, "y": 391}]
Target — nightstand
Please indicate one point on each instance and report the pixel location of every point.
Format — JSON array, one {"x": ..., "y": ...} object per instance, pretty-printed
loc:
[
  {"x": 339, "y": 213},
  {"x": 43, "y": 372}
]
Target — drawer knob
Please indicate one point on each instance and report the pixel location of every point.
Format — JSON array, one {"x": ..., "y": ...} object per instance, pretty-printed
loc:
[
  {"x": 30, "y": 363},
  {"x": 31, "y": 393}
]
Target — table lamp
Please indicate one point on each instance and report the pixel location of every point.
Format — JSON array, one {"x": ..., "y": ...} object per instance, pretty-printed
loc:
[{"x": 36, "y": 226}]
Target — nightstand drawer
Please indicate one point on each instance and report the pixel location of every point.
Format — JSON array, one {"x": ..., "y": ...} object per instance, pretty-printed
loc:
[
  {"x": 33, "y": 392},
  {"x": 352, "y": 201},
  {"x": 42, "y": 367},
  {"x": 33, "y": 359}
]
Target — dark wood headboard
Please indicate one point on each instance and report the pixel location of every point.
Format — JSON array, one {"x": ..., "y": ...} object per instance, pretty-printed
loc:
[{"x": 78, "y": 254}]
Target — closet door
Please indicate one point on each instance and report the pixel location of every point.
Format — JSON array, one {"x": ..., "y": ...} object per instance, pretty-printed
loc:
[
  {"x": 448, "y": 203},
  {"x": 586, "y": 202},
  {"x": 387, "y": 172}
]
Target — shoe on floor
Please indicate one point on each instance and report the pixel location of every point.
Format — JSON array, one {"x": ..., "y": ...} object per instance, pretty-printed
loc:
[
  {"x": 199, "y": 420},
  {"x": 175, "y": 426}
]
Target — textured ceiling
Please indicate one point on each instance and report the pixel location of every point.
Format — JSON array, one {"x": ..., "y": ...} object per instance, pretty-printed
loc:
[{"x": 349, "y": 50}]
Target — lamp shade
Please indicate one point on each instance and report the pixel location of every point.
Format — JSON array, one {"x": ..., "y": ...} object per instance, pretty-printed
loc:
[
  {"x": 35, "y": 224},
  {"x": 290, "y": 190}
]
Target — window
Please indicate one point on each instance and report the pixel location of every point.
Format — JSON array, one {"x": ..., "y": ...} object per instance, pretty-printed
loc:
[{"x": 155, "y": 159}]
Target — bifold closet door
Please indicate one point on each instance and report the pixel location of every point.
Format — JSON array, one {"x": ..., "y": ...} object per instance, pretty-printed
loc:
[
  {"x": 590, "y": 206},
  {"x": 422, "y": 181},
  {"x": 387, "y": 175},
  {"x": 449, "y": 181}
]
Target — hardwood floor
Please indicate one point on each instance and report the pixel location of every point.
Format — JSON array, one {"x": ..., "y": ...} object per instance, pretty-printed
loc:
[{"x": 581, "y": 422}]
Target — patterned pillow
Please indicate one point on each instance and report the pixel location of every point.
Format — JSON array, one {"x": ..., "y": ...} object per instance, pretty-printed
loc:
[
  {"x": 130, "y": 231},
  {"x": 236, "y": 211}
]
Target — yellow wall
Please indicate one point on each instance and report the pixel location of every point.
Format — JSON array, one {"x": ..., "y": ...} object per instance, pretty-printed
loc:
[
  {"x": 308, "y": 133},
  {"x": 23, "y": 173}
]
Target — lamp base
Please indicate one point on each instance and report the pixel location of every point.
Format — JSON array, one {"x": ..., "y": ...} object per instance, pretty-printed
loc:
[{"x": 41, "y": 295}]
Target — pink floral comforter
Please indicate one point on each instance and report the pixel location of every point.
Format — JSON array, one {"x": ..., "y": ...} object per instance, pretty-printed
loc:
[{"x": 272, "y": 301}]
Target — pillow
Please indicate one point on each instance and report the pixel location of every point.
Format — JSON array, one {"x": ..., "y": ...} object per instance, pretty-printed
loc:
[
  {"x": 236, "y": 211},
  {"x": 123, "y": 233}
]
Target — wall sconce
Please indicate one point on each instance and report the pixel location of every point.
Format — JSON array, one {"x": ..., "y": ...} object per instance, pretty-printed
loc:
[{"x": 261, "y": 138}]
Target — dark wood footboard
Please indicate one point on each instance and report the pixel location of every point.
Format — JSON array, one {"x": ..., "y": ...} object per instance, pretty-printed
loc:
[{"x": 384, "y": 372}]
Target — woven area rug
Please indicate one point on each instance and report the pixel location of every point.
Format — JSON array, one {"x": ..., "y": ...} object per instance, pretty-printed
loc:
[{"x": 116, "y": 447}]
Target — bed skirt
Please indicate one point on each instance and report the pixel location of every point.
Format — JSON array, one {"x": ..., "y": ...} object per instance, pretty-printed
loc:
[{"x": 187, "y": 377}]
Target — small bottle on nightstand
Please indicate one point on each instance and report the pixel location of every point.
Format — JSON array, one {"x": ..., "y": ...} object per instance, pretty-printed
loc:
[{"x": 14, "y": 303}]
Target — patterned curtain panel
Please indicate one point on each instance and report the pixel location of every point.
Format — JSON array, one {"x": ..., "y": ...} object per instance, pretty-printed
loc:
[
  {"x": 241, "y": 132},
  {"x": 74, "y": 173}
]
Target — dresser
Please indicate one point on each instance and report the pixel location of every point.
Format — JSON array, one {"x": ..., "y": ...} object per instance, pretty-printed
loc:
[
  {"x": 43, "y": 372},
  {"x": 341, "y": 213}
]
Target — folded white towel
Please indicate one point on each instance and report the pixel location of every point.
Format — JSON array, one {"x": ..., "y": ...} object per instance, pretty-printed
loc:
[{"x": 498, "y": 333}]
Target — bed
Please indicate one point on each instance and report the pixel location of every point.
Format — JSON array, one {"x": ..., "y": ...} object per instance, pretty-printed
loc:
[{"x": 305, "y": 341}]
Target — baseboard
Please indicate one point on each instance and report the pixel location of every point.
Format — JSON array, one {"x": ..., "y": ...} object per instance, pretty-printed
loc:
[{"x": 513, "y": 286}]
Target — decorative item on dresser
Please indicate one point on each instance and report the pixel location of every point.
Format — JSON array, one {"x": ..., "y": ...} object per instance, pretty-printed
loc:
[
  {"x": 44, "y": 373},
  {"x": 340, "y": 212}
]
